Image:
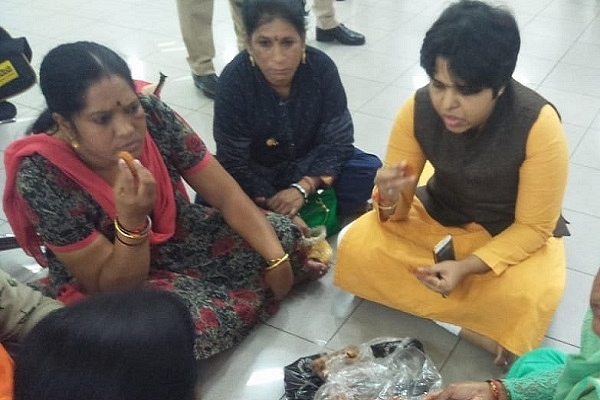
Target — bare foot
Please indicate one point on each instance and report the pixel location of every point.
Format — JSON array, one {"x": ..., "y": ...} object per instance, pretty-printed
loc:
[
  {"x": 315, "y": 269},
  {"x": 504, "y": 359}
]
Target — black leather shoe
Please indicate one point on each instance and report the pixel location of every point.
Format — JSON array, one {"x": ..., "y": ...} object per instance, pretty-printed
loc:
[
  {"x": 341, "y": 34},
  {"x": 207, "y": 83},
  {"x": 8, "y": 112}
]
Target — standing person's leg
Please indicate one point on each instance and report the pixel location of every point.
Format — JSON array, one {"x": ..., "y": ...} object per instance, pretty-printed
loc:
[
  {"x": 330, "y": 29},
  {"x": 195, "y": 21},
  {"x": 238, "y": 24}
]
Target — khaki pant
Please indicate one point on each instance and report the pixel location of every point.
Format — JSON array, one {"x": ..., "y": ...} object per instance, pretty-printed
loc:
[{"x": 195, "y": 21}]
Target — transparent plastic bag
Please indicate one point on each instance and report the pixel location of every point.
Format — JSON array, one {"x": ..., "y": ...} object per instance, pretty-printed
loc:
[
  {"x": 415, "y": 376},
  {"x": 361, "y": 370},
  {"x": 401, "y": 372},
  {"x": 364, "y": 379}
]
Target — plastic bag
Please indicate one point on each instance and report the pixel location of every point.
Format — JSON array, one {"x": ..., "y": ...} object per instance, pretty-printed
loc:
[
  {"x": 405, "y": 374},
  {"x": 301, "y": 383},
  {"x": 415, "y": 376},
  {"x": 364, "y": 368}
]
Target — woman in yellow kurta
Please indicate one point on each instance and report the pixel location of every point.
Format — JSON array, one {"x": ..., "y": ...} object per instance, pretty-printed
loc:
[{"x": 500, "y": 168}]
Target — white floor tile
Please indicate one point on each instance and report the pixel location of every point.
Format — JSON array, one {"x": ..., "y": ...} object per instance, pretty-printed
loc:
[
  {"x": 573, "y": 306},
  {"x": 574, "y": 107},
  {"x": 582, "y": 193},
  {"x": 583, "y": 80},
  {"x": 254, "y": 369},
  {"x": 588, "y": 150},
  {"x": 582, "y": 247}
]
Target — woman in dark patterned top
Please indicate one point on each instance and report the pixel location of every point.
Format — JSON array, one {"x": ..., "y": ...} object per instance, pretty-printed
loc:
[
  {"x": 105, "y": 226},
  {"x": 282, "y": 125}
]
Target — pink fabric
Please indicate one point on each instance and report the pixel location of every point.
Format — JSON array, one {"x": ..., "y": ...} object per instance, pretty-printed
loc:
[{"x": 62, "y": 156}]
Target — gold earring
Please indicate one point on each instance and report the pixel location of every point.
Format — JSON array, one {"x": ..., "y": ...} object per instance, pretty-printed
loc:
[
  {"x": 74, "y": 144},
  {"x": 252, "y": 61},
  {"x": 304, "y": 55}
]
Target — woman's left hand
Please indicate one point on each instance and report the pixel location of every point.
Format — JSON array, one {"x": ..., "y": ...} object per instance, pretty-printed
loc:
[
  {"x": 280, "y": 280},
  {"x": 286, "y": 202},
  {"x": 445, "y": 276},
  {"x": 442, "y": 277}
]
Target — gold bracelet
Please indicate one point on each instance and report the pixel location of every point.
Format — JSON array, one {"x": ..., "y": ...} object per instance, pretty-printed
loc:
[
  {"x": 139, "y": 242},
  {"x": 387, "y": 208},
  {"x": 494, "y": 389},
  {"x": 135, "y": 235},
  {"x": 277, "y": 262}
]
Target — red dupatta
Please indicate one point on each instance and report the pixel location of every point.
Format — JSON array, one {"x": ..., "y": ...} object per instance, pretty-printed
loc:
[{"x": 63, "y": 157}]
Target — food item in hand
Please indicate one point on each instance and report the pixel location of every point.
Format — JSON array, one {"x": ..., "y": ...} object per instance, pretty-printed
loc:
[{"x": 128, "y": 158}]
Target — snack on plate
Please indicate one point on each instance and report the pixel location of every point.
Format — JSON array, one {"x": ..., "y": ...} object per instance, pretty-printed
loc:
[
  {"x": 348, "y": 354},
  {"x": 128, "y": 158}
]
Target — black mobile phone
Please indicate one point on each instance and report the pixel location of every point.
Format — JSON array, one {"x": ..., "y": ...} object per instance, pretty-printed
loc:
[{"x": 444, "y": 250}]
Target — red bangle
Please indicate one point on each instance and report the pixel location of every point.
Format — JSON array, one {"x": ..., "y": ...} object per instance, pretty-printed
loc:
[{"x": 137, "y": 233}]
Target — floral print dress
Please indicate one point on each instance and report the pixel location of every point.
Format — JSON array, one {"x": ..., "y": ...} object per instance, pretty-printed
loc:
[{"x": 214, "y": 271}]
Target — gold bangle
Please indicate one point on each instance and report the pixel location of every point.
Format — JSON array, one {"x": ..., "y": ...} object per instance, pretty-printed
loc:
[
  {"x": 139, "y": 242},
  {"x": 135, "y": 235},
  {"x": 277, "y": 262},
  {"x": 494, "y": 389},
  {"x": 387, "y": 208}
]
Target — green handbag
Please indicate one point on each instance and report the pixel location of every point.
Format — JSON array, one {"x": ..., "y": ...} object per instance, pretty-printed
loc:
[{"x": 321, "y": 209}]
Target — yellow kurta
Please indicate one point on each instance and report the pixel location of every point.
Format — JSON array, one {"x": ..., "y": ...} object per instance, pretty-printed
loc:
[{"x": 515, "y": 301}]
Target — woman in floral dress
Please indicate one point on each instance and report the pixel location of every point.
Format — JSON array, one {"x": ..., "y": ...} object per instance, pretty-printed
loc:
[{"x": 99, "y": 223}]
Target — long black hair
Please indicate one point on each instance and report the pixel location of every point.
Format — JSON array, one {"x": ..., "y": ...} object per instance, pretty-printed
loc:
[
  {"x": 67, "y": 72},
  {"x": 259, "y": 12}
]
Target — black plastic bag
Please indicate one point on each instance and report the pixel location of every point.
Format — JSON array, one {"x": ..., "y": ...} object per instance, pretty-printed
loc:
[{"x": 301, "y": 383}]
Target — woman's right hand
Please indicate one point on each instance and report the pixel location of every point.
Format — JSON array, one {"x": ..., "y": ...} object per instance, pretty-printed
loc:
[
  {"x": 134, "y": 195},
  {"x": 280, "y": 280},
  {"x": 393, "y": 179},
  {"x": 463, "y": 391},
  {"x": 286, "y": 202}
]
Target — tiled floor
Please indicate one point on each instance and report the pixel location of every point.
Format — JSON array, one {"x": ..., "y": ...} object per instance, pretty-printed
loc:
[{"x": 560, "y": 57}]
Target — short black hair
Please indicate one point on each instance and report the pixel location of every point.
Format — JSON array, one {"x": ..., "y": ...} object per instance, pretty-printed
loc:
[
  {"x": 125, "y": 345},
  {"x": 259, "y": 12},
  {"x": 481, "y": 43}
]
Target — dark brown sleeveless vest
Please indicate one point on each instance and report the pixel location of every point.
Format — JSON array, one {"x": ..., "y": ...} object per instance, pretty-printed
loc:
[{"x": 477, "y": 173}]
